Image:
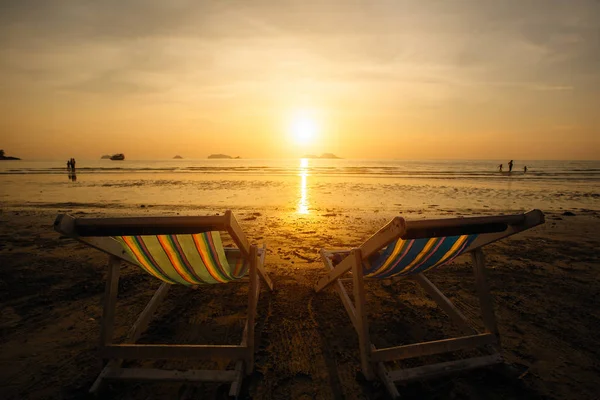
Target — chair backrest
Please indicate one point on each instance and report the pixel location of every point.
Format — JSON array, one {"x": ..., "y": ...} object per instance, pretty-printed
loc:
[
  {"x": 189, "y": 259},
  {"x": 413, "y": 256},
  {"x": 182, "y": 250},
  {"x": 426, "y": 244}
]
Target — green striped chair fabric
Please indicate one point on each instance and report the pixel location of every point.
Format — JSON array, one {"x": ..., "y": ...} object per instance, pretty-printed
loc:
[{"x": 187, "y": 259}]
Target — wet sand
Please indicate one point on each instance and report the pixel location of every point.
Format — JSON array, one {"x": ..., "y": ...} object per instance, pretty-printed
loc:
[{"x": 545, "y": 284}]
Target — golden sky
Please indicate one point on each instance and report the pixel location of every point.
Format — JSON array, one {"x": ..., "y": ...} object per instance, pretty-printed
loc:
[{"x": 384, "y": 79}]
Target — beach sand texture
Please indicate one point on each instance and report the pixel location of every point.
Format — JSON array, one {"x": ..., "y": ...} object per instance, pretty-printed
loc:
[{"x": 545, "y": 284}]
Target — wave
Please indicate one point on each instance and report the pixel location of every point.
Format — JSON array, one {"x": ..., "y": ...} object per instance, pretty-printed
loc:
[
  {"x": 359, "y": 170},
  {"x": 476, "y": 171}
]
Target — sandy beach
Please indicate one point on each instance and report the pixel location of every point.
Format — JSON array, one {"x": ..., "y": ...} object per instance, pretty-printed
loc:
[{"x": 545, "y": 285}]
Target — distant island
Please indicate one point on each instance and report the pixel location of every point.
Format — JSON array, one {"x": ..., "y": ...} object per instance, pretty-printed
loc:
[
  {"x": 114, "y": 157},
  {"x": 324, "y": 155},
  {"x": 225, "y": 156},
  {"x": 177, "y": 158},
  {"x": 3, "y": 157}
]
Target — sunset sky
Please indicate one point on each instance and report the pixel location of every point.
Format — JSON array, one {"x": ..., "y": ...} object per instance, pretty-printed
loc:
[{"x": 383, "y": 79}]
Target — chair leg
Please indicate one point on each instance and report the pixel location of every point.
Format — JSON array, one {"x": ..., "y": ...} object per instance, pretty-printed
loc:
[
  {"x": 364, "y": 340},
  {"x": 108, "y": 315},
  {"x": 112, "y": 370},
  {"x": 110, "y": 301},
  {"x": 236, "y": 385},
  {"x": 485, "y": 299},
  {"x": 252, "y": 302},
  {"x": 261, "y": 269}
]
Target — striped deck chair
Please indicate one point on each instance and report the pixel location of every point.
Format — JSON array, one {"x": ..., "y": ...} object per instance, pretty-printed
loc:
[
  {"x": 407, "y": 249},
  {"x": 177, "y": 250}
]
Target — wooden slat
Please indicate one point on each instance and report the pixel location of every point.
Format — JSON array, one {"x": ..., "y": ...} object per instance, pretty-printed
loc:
[
  {"x": 65, "y": 224},
  {"x": 151, "y": 374},
  {"x": 434, "y": 370},
  {"x": 236, "y": 233},
  {"x": 433, "y": 347},
  {"x": 332, "y": 275},
  {"x": 110, "y": 301},
  {"x": 171, "y": 351},
  {"x": 531, "y": 219},
  {"x": 147, "y": 225},
  {"x": 261, "y": 268},
  {"x": 460, "y": 226},
  {"x": 360, "y": 301},
  {"x": 466, "y": 221},
  {"x": 390, "y": 232},
  {"x": 143, "y": 320},
  {"x": 445, "y": 304}
]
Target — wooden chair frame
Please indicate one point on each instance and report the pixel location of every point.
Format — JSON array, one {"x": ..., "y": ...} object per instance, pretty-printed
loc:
[
  {"x": 491, "y": 229},
  {"x": 96, "y": 233}
]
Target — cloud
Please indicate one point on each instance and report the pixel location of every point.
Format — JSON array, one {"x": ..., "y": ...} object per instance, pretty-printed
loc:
[
  {"x": 228, "y": 47},
  {"x": 552, "y": 88},
  {"x": 117, "y": 82}
]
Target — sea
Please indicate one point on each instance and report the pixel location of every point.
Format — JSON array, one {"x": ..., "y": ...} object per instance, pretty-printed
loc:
[{"x": 306, "y": 186}]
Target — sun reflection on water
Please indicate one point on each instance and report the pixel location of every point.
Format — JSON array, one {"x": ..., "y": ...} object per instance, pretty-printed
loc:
[{"x": 303, "y": 202}]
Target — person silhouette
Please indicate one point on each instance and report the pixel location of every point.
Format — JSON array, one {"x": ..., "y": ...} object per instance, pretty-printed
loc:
[
  {"x": 68, "y": 164},
  {"x": 525, "y": 169},
  {"x": 510, "y": 165},
  {"x": 500, "y": 168}
]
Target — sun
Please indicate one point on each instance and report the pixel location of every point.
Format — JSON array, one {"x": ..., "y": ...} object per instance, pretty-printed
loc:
[{"x": 304, "y": 128}]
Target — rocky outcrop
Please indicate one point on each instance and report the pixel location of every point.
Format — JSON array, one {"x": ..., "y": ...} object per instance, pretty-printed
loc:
[
  {"x": 3, "y": 157},
  {"x": 324, "y": 156}
]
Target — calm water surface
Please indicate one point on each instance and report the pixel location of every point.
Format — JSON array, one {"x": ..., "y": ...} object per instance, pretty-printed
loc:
[{"x": 307, "y": 185}]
